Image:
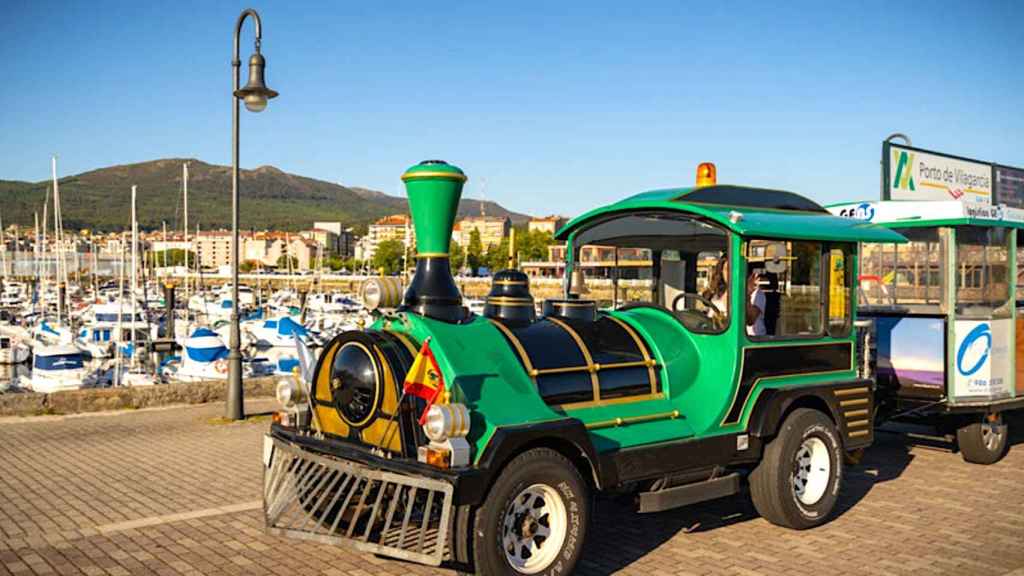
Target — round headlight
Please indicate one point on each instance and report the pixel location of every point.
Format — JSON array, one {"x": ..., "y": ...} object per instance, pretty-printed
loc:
[
  {"x": 285, "y": 393},
  {"x": 446, "y": 421},
  {"x": 355, "y": 383}
]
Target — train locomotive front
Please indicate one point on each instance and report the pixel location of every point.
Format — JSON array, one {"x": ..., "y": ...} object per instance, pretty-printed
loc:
[{"x": 358, "y": 460}]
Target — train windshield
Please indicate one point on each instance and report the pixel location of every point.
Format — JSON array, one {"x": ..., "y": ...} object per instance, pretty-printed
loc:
[{"x": 669, "y": 260}]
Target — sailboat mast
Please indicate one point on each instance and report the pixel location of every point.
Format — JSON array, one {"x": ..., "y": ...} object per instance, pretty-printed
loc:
[
  {"x": 3, "y": 245},
  {"x": 184, "y": 179},
  {"x": 36, "y": 256},
  {"x": 61, "y": 279},
  {"x": 135, "y": 264},
  {"x": 45, "y": 273}
]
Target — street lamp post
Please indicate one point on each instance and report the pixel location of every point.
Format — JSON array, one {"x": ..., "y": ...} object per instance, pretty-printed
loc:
[{"x": 255, "y": 95}]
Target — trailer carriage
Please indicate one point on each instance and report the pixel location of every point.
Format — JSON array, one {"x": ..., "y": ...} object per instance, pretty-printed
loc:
[
  {"x": 734, "y": 362},
  {"x": 944, "y": 311}
]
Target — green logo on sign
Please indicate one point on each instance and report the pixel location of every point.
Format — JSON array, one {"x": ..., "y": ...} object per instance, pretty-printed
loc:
[{"x": 904, "y": 174}]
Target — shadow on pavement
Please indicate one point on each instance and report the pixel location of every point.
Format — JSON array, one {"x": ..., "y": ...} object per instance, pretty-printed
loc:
[{"x": 619, "y": 535}]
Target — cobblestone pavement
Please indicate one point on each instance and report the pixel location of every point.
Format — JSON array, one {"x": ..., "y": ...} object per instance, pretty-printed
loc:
[{"x": 175, "y": 491}]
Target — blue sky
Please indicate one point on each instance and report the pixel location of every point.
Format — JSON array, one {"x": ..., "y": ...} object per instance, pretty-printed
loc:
[{"x": 558, "y": 106}]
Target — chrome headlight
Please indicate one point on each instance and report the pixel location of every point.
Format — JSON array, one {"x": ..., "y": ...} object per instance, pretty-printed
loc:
[
  {"x": 289, "y": 394},
  {"x": 446, "y": 421}
]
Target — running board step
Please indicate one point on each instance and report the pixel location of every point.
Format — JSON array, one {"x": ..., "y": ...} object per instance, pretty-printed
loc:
[{"x": 687, "y": 494}]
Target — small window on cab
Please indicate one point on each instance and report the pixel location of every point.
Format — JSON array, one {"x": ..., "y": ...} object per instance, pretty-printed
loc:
[
  {"x": 785, "y": 288},
  {"x": 840, "y": 285}
]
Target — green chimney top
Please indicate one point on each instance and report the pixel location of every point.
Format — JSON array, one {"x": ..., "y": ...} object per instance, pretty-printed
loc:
[{"x": 434, "y": 188}]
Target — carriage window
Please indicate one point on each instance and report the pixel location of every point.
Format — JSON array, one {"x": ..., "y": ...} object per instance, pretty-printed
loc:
[
  {"x": 840, "y": 275},
  {"x": 906, "y": 275},
  {"x": 784, "y": 289},
  {"x": 982, "y": 272}
]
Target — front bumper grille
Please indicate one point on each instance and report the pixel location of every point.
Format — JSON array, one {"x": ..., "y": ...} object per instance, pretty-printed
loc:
[{"x": 317, "y": 497}]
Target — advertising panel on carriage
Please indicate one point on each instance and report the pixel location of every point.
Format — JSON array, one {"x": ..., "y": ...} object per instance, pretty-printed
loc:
[
  {"x": 982, "y": 360},
  {"x": 915, "y": 174},
  {"x": 1009, "y": 186}
]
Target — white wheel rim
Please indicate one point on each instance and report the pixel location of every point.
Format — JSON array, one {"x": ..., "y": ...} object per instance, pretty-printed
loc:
[
  {"x": 991, "y": 436},
  {"x": 812, "y": 469},
  {"x": 533, "y": 529}
]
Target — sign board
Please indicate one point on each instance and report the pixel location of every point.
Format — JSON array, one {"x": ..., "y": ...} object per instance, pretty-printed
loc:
[
  {"x": 981, "y": 359},
  {"x": 889, "y": 212},
  {"x": 1009, "y": 186},
  {"x": 915, "y": 174}
]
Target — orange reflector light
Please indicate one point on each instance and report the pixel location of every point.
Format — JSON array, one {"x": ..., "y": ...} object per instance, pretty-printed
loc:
[
  {"x": 435, "y": 457},
  {"x": 276, "y": 417},
  {"x": 707, "y": 175}
]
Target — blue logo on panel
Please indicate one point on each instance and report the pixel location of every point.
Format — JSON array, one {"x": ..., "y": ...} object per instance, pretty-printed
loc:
[
  {"x": 865, "y": 212},
  {"x": 979, "y": 331}
]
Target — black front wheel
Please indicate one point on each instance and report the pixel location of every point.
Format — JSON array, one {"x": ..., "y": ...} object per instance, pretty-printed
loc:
[
  {"x": 984, "y": 442},
  {"x": 534, "y": 519},
  {"x": 797, "y": 482}
]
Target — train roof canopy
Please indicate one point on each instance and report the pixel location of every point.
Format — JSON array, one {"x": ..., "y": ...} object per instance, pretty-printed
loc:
[{"x": 746, "y": 211}]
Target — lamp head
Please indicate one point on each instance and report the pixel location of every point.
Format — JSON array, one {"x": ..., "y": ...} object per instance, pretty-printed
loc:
[{"x": 255, "y": 92}]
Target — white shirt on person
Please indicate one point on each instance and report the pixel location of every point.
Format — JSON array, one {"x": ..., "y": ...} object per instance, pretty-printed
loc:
[{"x": 757, "y": 300}]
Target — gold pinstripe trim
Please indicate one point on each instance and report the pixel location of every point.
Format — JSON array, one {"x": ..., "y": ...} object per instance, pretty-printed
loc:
[
  {"x": 858, "y": 433},
  {"x": 595, "y": 382},
  {"x": 854, "y": 402},
  {"x": 611, "y": 401},
  {"x": 643, "y": 350},
  {"x": 564, "y": 304},
  {"x": 458, "y": 177},
  {"x": 510, "y": 282},
  {"x": 632, "y": 420},
  {"x": 530, "y": 370},
  {"x": 509, "y": 301},
  {"x": 856, "y": 413},
  {"x": 857, "y": 423},
  {"x": 850, "y": 391},
  {"x": 596, "y": 367}
]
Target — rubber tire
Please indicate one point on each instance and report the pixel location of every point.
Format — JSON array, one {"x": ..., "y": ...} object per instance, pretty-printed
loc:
[
  {"x": 539, "y": 465},
  {"x": 972, "y": 447},
  {"x": 771, "y": 481}
]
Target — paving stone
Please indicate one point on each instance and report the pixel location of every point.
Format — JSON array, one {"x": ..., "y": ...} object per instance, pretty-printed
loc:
[{"x": 176, "y": 491}]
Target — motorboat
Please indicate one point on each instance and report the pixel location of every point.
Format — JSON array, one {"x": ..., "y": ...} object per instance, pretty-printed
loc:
[{"x": 57, "y": 368}]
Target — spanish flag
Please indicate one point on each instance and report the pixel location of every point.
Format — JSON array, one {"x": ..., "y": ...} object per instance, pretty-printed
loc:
[{"x": 424, "y": 378}]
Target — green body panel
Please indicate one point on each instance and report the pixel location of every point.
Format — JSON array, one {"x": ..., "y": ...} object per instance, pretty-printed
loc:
[
  {"x": 755, "y": 222},
  {"x": 480, "y": 370}
]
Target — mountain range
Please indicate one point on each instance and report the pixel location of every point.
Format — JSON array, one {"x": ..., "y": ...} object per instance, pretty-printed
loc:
[{"x": 270, "y": 199}]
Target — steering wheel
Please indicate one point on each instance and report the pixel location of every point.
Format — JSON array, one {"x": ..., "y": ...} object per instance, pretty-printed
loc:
[{"x": 699, "y": 320}]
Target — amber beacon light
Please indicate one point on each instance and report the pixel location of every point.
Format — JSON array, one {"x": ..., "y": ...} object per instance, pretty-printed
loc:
[{"x": 706, "y": 174}]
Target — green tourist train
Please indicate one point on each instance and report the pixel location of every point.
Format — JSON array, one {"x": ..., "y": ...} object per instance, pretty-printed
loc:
[{"x": 727, "y": 357}]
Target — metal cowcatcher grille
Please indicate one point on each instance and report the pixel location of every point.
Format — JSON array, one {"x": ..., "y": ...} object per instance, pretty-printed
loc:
[{"x": 316, "y": 497}]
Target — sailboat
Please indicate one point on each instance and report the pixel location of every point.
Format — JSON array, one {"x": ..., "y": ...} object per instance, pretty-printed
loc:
[{"x": 133, "y": 373}]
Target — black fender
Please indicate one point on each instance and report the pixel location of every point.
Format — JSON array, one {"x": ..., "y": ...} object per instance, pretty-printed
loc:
[
  {"x": 567, "y": 435},
  {"x": 858, "y": 396}
]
